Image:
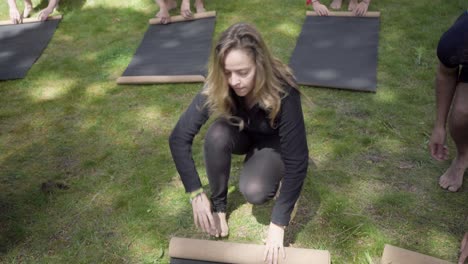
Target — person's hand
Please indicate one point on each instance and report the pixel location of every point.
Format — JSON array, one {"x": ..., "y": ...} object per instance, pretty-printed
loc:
[
  {"x": 437, "y": 146},
  {"x": 274, "y": 244},
  {"x": 202, "y": 215},
  {"x": 321, "y": 10},
  {"x": 185, "y": 9},
  {"x": 361, "y": 8},
  {"x": 15, "y": 16},
  {"x": 44, "y": 14}
]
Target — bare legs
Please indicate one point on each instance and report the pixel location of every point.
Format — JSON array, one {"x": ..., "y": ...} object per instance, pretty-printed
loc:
[
  {"x": 164, "y": 7},
  {"x": 27, "y": 8},
  {"x": 463, "y": 250},
  {"x": 167, "y": 5},
  {"x": 336, "y": 4},
  {"x": 352, "y": 5},
  {"x": 452, "y": 179}
]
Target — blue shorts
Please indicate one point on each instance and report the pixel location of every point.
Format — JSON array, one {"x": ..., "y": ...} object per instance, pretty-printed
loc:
[{"x": 453, "y": 47}]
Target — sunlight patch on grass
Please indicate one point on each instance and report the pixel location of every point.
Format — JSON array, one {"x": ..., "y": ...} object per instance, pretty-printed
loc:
[
  {"x": 96, "y": 90},
  {"x": 149, "y": 114},
  {"x": 289, "y": 29},
  {"x": 386, "y": 96},
  {"x": 51, "y": 90}
]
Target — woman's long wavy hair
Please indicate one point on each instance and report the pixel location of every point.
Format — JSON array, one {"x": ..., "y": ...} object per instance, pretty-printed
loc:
[{"x": 270, "y": 78}]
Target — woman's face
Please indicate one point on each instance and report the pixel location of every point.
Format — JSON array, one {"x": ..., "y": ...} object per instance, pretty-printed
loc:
[{"x": 239, "y": 69}]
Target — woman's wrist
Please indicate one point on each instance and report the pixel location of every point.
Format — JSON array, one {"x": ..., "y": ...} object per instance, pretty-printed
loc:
[
  {"x": 195, "y": 194},
  {"x": 314, "y": 2},
  {"x": 279, "y": 226}
]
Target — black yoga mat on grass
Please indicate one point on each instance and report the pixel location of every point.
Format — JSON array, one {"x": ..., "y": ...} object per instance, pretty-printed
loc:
[
  {"x": 180, "y": 48},
  {"x": 337, "y": 52},
  {"x": 21, "y": 45}
]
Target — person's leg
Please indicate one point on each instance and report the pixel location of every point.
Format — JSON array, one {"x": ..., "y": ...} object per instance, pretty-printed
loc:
[
  {"x": 27, "y": 8},
  {"x": 199, "y": 6},
  {"x": 452, "y": 179},
  {"x": 185, "y": 9},
  {"x": 221, "y": 141},
  {"x": 352, "y": 5},
  {"x": 463, "y": 250},
  {"x": 336, "y": 4},
  {"x": 164, "y": 7},
  {"x": 262, "y": 172}
]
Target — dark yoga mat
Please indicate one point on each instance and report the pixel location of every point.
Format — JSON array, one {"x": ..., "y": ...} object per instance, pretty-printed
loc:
[
  {"x": 191, "y": 261},
  {"x": 21, "y": 45},
  {"x": 181, "y": 48},
  {"x": 337, "y": 52}
]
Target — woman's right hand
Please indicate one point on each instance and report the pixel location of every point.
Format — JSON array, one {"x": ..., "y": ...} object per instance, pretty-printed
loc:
[
  {"x": 437, "y": 146},
  {"x": 15, "y": 16},
  {"x": 320, "y": 9},
  {"x": 202, "y": 215}
]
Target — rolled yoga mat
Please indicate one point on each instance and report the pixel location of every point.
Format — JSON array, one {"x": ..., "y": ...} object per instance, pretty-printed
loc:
[
  {"x": 396, "y": 255},
  {"x": 338, "y": 51},
  {"x": 22, "y": 44},
  {"x": 172, "y": 53},
  {"x": 196, "y": 251}
]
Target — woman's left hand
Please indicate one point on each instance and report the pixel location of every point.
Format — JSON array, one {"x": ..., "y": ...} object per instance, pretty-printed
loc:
[
  {"x": 361, "y": 8},
  {"x": 274, "y": 244}
]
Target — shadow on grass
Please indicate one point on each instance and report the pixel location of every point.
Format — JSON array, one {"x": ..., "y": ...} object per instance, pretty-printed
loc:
[
  {"x": 61, "y": 126},
  {"x": 63, "y": 5},
  {"x": 375, "y": 177},
  {"x": 68, "y": 121}
]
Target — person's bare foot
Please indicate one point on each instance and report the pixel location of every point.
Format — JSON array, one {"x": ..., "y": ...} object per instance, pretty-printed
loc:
[
  {"x": 463, "y": 250},
  {"x": 452, "y": 179},
  {"x": 163, "y": 14},
  {"x": 221, "y": 224},
  {"x": 352, "y": 5},
  {"x": 199, "y": 6},
  {"x": 185, "y": 9},
  {"x": 336, "y": 4}
]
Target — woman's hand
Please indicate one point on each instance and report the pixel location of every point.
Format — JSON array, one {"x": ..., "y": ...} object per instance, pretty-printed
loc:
[
  {"x": 15, "y": 16},
  {"x": 361, "y": 8},
  {"x": 437, "y": 146},
  {"x": 202, "y": 215},
  {"x": 321, "y": 10},
  {"x": 44, "y": 14},
  {"x": 274, "y": 244}
]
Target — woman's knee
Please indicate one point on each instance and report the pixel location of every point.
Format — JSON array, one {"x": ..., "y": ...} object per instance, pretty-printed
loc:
[
  {"x": 255, "y": 193},
  {"x": 218, "y": 136},
  {"x": 459, "y": 113}
]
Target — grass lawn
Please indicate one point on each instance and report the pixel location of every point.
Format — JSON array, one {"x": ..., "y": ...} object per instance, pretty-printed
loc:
[{"x": 372, "y": 181}]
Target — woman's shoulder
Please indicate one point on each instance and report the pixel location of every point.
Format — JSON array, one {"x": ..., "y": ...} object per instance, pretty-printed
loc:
[{"x": 290, "y": 91}]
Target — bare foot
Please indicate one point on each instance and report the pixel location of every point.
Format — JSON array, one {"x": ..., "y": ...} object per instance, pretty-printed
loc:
[
  {"x": 163, "y": 14},
  {"x": 185, "y": 9},
  {"x": 452, "y": 179},
  {"x": 336, "y": 4},
  {"x": 221, "y": 224},
  {"x": 199, "y": 6},
  {"x": 352, "y": 5},
  {"x": 463, "y": 250}
]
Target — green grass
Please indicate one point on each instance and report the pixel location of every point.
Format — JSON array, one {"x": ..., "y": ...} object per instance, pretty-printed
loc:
[{"x": 372, "y": 181}]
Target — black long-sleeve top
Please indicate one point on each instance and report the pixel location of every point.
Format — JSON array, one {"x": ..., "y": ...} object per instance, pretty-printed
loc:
[{"x": 293, "y": 145}]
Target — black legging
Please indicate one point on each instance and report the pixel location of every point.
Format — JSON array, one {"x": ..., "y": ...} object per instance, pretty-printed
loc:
[{"x": 263, "y": 167}]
